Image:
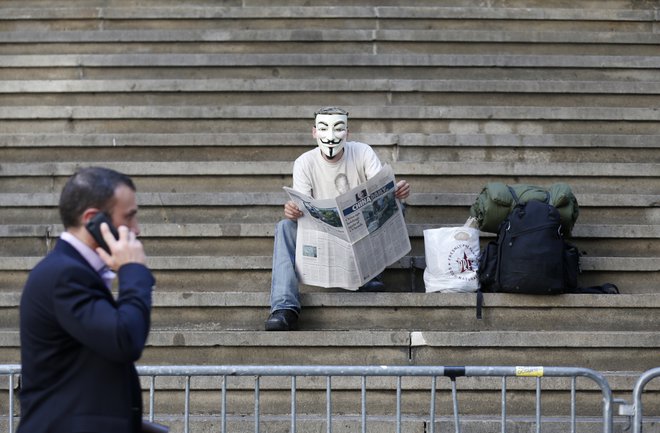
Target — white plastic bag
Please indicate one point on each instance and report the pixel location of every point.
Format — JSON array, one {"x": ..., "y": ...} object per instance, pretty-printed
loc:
[{"x": 452, "y": 259}]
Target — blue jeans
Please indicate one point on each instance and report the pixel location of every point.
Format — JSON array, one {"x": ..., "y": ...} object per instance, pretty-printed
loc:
[{"x": 284, "y": 294}]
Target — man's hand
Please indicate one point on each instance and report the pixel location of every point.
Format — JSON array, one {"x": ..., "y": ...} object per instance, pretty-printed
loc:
[
  {"x": 126, "y": 249},
  {"x": 291, "y": 211},
  {"x": 402, "y": 189}
]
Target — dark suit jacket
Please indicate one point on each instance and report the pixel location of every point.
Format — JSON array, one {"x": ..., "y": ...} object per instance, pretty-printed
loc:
[{"x": 79, "y": 345}]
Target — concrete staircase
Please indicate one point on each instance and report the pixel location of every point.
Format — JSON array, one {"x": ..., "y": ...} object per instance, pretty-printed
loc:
[{"x": 207, "y": 104}]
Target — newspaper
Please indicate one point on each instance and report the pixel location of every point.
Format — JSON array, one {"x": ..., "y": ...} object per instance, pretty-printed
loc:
[{"x": 346, "y": 241}]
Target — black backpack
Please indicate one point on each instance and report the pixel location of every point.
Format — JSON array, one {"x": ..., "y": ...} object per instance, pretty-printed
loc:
[{"x": 530, "y": 254}]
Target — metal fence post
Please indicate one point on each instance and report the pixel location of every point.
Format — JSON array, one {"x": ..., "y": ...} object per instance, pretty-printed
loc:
[{"x": 645, "y": 378}]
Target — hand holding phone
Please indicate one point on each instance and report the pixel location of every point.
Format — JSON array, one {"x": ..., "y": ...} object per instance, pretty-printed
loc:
[
  {"x": 126, "y": 249},
  {"x": 94, "y": 228}
]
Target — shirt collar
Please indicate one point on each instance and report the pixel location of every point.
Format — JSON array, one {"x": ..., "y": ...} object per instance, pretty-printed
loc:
[{"x": 88, "y": 254}]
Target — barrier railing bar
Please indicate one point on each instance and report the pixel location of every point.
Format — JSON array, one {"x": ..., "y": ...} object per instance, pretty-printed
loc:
[
  {"x": 398, "y": 404},
  {"x": 293, "y": 404},
  {"x": 10, "y": 419},
  {"x": 257, "y": 396},
  {"x": 186, "y": 426},
  {"x": 152, "y": 395},
  {"x": 454, "y": 397},
  {"x": 538, "y": 405},
  {"x": 432, "y": 413},
  {"x": 645, "y": 378},
  {"x": 223, "y": 403},
  {"x": 503, "y": 428},
  {"x": 363, "y": 398},
  {"x": 328, "y": 402},
  {"x": 573, "y": 404}
]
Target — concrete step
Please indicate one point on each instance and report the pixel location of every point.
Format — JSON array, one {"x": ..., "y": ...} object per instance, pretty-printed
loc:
[
  {"x": 274, "y": 200},
  {"x": 158, "y": 236},
  {"x": 281, "y": 151},
  {"x": 399, "y": 112},
  {"x": 630, "y": 274},
  {"x": 552, "y": 46},
  {"x": 455, "y": 140},
  {"x": 257, "y": 239},
  {"x": 352, "y": 423},
  {"x": 360, "y": 59},
  {"x": 347, "y": 311},
  {"x": 622, "y": 11},
  {"x": 123, "y": 87},
  {"x": 431, "y": 311},
  {"x": 182, "y": 229},
  {"x": 564, "y": 170},
  {"x": 598, "y": 350},
  {"x": 398, "y": 73},
  {"x": 323, "y": 36},
  {"x": 266, "y": 230},
  {"x": 397, "y": 280},
  {"x": 349, "y": 424}
]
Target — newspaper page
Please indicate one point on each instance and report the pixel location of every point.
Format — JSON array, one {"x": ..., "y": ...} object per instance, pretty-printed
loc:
[{"x": 347, "y": 241}]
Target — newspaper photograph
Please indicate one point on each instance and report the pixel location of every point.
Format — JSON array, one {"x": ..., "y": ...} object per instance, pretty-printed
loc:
[{"x": 347, "y": 241}]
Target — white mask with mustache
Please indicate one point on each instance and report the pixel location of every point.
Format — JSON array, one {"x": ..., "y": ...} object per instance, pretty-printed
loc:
[{"x": 330, "y": 132}]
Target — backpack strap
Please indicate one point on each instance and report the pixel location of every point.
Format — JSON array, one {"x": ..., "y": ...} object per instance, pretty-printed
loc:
[
  {"x": 480, "y": 303},
  {"x": 517, "y": 200},
  {"x": 606, "y": 289},
  {"x": 514, "y": 195}
]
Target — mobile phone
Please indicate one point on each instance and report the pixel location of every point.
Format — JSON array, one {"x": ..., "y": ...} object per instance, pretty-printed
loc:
[{"x": 94, "y": 228}]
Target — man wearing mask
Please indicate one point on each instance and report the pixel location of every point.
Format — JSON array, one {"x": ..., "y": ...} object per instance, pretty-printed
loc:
[
  {"x": 78, "y": 343},
  {"x": 332, "y": 168}
]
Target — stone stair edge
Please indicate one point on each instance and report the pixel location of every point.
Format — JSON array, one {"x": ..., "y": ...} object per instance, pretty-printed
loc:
[
  {"x": 328, "y": 36},
  {"x": 390, "y": 338},
  {"x": 588, "y": 264},
  {"x": 182, "y": 299},
  {"x": 349, "y": 423},
  {"x": 265, "y": 85},
  {"x": 567, "y": 140},
  {"x": 267, "y": 230},
  {"x": 400, "y": 112},
  {"x": 335, "y": 60},
  {"x": 283, "y": 168},
  {"x": 109, "y": 12},
  {"x": 160, "y": 199}
]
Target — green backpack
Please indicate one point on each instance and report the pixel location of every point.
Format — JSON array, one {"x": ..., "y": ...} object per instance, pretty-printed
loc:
[{"x": 495, "y": 202}]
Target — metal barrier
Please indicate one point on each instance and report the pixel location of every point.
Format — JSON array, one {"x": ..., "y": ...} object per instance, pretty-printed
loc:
[
  {"x": 10, "y": 372},
  {"x": 635, "y": 410},
  {"x": 432, "y": 372}
]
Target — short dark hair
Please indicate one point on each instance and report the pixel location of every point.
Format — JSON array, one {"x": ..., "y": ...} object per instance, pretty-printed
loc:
[
  {"x": 90, "y": 187},
  {"x": 330, "y": 110}
]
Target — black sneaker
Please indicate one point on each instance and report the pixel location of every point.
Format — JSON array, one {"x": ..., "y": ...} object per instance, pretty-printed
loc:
[
  {"x": 282, "y": 320},
  {"x": 374, "y": 285}
]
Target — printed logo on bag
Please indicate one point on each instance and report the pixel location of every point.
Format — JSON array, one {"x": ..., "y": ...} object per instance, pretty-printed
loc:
[{"x": 461, "y": 261}]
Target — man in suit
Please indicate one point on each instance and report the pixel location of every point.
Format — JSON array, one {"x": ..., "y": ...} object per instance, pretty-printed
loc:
[{"x": 79, "y": 343}]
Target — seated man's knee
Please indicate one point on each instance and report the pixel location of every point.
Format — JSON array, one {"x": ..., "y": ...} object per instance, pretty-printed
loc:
[{"x": 286, "y": 225}]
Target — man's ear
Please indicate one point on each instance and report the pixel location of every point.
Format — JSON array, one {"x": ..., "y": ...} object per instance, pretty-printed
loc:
[
  {"x": 88, "y": 214},
  {"x": 314, "y": 131}
]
